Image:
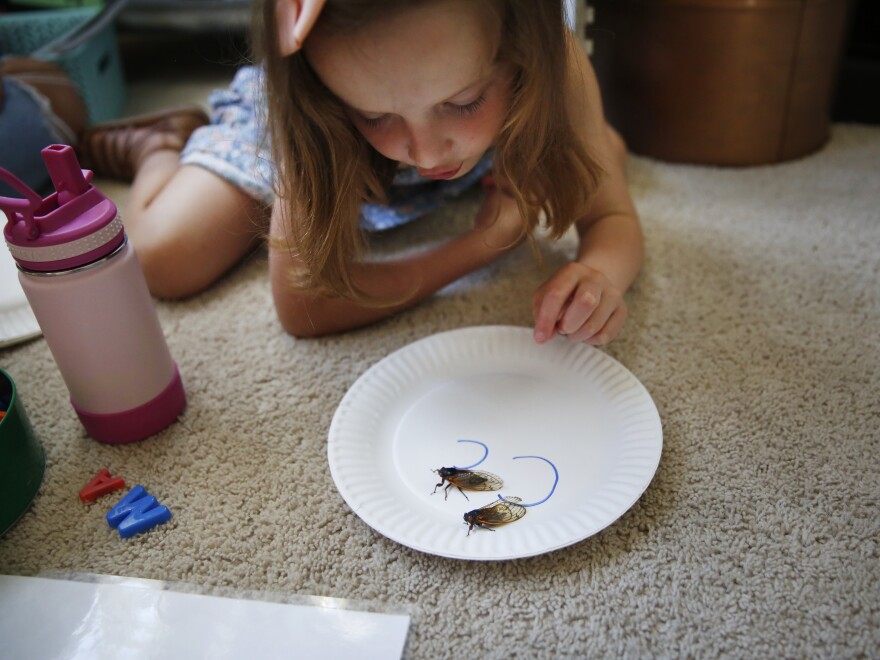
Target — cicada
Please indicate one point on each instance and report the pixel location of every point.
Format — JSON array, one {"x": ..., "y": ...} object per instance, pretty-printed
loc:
[
  {"x": 466, "y": 480},
  {"x": 499, "y": 512}
]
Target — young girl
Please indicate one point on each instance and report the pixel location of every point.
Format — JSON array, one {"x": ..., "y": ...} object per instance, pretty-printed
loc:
[{"x": 385, "y": 109}]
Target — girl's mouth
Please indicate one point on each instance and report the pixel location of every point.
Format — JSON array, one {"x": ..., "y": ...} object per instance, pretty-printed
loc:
[{"x": 439, "y": 174}]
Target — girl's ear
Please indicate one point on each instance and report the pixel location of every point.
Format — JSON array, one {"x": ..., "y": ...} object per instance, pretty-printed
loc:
[{"x": 295, "y": 21}]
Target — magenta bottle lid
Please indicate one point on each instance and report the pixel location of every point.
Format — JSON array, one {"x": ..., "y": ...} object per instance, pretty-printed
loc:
[{"x": 74, "y": 226}]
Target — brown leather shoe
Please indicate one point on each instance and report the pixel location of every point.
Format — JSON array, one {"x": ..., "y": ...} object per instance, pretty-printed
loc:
[{"x": 116, "y": 149}]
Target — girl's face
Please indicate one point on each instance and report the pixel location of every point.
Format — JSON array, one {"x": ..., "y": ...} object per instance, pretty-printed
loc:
[{"x": 421, "y": 86}]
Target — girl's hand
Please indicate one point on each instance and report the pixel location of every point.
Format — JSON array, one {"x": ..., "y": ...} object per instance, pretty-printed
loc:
[
  {"x": 499, "y": 220},
  {"x": 580, "y": 302}
]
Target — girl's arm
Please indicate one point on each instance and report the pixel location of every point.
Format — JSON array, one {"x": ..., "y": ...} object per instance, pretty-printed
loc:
[
  {"x": 584, "y": 299},
  {"x": 409, "y": 279}
]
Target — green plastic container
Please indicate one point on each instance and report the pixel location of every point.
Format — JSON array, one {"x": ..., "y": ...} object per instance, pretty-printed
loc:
[
  {"x": 22, "y": 461},
  {"x": 94, "y": 66}
]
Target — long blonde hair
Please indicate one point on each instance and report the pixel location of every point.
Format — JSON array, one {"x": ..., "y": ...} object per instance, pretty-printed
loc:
[{"x": 327, "y": 170}]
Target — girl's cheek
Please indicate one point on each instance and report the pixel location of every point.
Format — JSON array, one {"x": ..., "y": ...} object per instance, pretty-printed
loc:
[
  {"x": 488, "y": 128},
  {"x": 390, "y": 148},
  {"x": 481, "y": 129},
  {"x": 382, "y": 142}
]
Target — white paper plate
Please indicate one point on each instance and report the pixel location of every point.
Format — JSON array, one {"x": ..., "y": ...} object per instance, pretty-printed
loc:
[
  {"x": 567, "y": 403},
  {"x": 17, "y": 321}
]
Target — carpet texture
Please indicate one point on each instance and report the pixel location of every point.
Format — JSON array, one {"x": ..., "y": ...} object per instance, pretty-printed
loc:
[{"x": 754, "y": 326}]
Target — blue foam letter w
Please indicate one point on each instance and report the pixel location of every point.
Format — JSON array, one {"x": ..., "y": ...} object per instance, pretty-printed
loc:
[{"x": 137, "y": 512}]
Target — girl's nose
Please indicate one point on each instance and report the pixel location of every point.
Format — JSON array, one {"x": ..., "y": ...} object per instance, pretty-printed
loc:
[{"x": 427, "y": 148}]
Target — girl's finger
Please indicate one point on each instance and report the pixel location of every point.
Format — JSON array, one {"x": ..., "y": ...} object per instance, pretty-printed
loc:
[
  {"x": 611, "y": 329},
  {"x": 584, "y": 303},
  {"x": 549, "y": 305},
  {"x": 597, "y": 316},
  {"x": 555, "y": 297}
]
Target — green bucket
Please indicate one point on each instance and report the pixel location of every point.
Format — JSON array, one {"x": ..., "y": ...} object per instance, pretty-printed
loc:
[{"x": 22, "y": 461}]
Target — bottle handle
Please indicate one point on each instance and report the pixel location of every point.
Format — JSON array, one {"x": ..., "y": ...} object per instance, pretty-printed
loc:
[{"x": 17, "y": 209}]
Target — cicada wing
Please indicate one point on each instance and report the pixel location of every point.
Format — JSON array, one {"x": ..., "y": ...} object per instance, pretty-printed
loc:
[
  {"x": 501, "y": 512},
  {"x": 476, "y": 480}
]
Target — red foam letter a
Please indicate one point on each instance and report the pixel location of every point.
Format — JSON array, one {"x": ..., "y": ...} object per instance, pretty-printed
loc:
[{"x": 101, "y": 484}]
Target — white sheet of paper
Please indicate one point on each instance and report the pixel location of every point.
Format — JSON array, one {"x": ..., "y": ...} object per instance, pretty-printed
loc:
[
  {"x": 17, "y": 320},
  {"x": 130, "y": 618}
]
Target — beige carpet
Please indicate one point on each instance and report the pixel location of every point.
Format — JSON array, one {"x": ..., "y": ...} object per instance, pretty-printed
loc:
[{"x": 755, "y": 326}]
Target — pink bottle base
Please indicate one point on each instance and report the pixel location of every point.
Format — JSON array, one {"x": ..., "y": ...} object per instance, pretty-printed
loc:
[{"x": 137, "y": 423}]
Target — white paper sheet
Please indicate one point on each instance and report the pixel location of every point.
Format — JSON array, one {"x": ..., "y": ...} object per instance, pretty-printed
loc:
[
  {"x": 122, "y": 618},
  {"x": 17, "y": 320}
]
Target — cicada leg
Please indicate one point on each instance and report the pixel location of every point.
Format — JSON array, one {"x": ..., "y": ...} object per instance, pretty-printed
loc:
[
  {"x": 476, "y": 524},
  {"x": 459, "y": 490}
]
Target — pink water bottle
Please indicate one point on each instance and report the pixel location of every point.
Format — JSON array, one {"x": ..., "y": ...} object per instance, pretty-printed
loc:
[{"x": 88, "y": 293}]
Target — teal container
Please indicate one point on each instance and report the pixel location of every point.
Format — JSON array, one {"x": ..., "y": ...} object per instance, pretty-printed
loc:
[
  {"x": 94, "y": 65},
  {"x": 22, "y": 461},
  {"x": 56, "y": 4}
]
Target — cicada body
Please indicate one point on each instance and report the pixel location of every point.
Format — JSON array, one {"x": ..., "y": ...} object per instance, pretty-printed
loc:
[
  {"x": 467, "y": 480},
  {"x": 499, "y": 512}
]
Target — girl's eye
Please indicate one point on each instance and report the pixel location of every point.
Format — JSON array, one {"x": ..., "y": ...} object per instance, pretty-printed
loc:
[
  {"x": 372, "y": 122},
  {"x": 464, "y": 110},
  {"x": 468, "y": 108}
]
